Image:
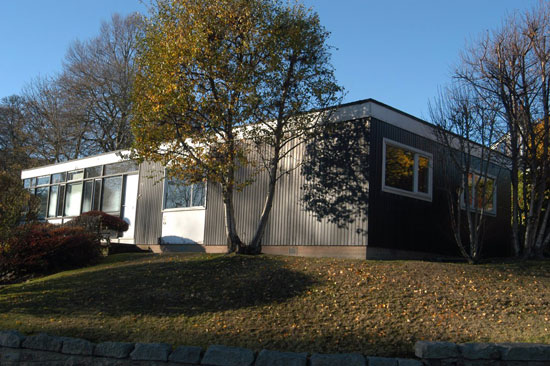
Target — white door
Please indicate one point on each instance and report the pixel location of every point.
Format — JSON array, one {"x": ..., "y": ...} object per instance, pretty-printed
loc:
[{"x": 129, "y": 205}]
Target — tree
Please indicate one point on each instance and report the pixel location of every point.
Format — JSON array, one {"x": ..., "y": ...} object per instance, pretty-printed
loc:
[
  {"x": 97, "y": 78},
  {"x": 218, "y": 80},
  {"x": 468, "y": 130},
  {"x": 57, "y": 129},
  {"x": 15, "y": 145},
  {"x": 509, "y": 68},
  {"x": 16, "y": 204}
]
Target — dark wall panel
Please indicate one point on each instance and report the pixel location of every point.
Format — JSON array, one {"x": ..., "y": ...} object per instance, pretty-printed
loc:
[
  {"x": 149, "y": 203},
  {"x": 399, "y": 222}
]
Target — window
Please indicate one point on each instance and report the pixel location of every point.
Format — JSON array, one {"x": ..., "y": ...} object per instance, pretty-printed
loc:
[
  {"x": 482, "y": 192},
  {"x": 406, "y": 171},
  {"x": 87, "y": 196},
  {"x": 42, "y": 194},
  {"x": 29, "y": 182},
  {"x": 52, "y": 205},
  {"x": 178, "y": 194},
  {"x": 92, "y": 172},
  {"x": 40, "y": 181},
  {"x": 112, "y": 194},
  {"x": 73, "y": 199},
  {"x": 76, "y": 175},
  {"x": 58, "y": 178},
  {"x": 97, "y": 194},
  {"x": 122, "y": 167}
]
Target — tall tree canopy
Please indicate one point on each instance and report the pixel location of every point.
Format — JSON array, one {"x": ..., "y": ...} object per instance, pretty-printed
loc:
[{"x": 219, "y": 79}]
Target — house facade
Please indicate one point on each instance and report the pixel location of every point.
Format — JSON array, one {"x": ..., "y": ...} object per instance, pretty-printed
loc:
[{"x": 408, "y": 188}]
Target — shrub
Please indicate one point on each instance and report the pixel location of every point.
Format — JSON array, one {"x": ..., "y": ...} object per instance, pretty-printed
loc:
[
  {"x": 41, "y": 248},
  {"x": 16, "y": 205},
  {"x": 107, "y": 222}
]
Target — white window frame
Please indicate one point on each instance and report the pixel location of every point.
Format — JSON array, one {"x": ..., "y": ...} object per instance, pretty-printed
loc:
[
  {"x": 190, "y": 208},
  {"x": 493, "y": 212},
  {"x": 402, "y": 192}
]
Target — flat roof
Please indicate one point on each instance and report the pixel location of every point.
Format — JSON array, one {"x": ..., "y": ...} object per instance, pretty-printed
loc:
[{"x": 65, "y": 166}]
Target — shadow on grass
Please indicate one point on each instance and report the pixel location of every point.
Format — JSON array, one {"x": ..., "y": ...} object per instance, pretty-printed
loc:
[
  {"x": 522, "y": 268},
  {"x": 175, "y": 285}
]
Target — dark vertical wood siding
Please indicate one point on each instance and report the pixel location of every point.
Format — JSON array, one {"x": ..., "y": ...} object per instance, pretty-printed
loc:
[
  {"x": 399, "y": 222},
  {"x": 149, "y": 203},
  {"x": 289, "y": 223}
]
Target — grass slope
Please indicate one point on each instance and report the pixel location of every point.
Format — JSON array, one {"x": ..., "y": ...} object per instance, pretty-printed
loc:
[{"x": 286, "y": 303}]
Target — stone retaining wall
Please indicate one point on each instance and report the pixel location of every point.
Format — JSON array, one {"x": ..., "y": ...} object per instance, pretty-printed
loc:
[
  {"x": 48, "y": 350},
  {"x": 483, "y": 354}
]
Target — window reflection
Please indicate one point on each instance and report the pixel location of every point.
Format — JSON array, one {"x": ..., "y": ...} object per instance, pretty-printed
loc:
[
  {"x": 179, "y": 194},
  {"x": 399, "y": 168}
]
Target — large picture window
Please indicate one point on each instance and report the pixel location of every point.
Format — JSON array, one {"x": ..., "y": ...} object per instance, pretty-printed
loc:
[
  {"x": 179, "y": 194},
  {"x": 406, "y": 171}
]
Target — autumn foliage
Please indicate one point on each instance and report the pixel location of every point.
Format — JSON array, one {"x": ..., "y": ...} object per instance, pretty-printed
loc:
[
  {"x": 42, "y": 248},
  {"x": 106, "y": 221}
]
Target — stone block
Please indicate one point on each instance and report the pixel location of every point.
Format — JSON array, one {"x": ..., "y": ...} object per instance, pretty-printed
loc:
[
  {"x": 429, "y": 350},
  {"x": 43, "y": 342},
  {"x": 9, "y": 355},
  {"x": 11, "y": 338},
  {"x": 274, "y": 358},
  {"x": 525, "y": 351},
  {"x": 479, "y": 351},
  {"x": 382, "y": 361},
  {"x": 151, "y": 352},
  {"x": 77, "y": 346},
  {"x": 227, "y": 356},
  {"x": 467, "y": 362},
  {"x": 186, "y": 354},
  {"x": 408, "y": 362},
  {"x": 344, "y": 359},
  {"x": 114, "y": 349}
]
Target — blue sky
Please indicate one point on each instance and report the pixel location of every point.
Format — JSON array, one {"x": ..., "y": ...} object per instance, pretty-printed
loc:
[{"x": 396, "y": 51}]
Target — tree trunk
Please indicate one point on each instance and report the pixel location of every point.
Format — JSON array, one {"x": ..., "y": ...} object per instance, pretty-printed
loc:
[
  {"x": 234, "y": 243},
  {"x": 255, "y": 245}
]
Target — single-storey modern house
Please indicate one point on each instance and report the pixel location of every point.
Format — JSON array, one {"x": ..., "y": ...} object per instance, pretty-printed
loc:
[{"x": 407, "y": 199}]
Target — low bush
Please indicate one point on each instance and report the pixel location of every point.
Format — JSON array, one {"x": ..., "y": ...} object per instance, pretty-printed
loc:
[
  {"x": 107, "y": 222},
  {"x": 42, "y": 248}
]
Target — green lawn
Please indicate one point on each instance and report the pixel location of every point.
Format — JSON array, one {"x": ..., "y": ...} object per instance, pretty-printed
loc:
[{"x": 285, "y": 303}]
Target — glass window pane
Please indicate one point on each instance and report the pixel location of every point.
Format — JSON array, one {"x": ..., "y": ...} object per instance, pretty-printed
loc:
[
  {"x": 52, "y": 206},
  {"x": 43, "y": 180},
  {"x": 112, "y": 193},
  {"x": 42, "y": 194},
  {"x": 199, "y": 195},
  {"x": 97, "y": 195},
  {"x": 87, "y": 196},
  {"x": 177, "y": 194},
  {"x": 399, "y": 168},
  {"x": 58, "y": 178},
  {"x": 60, "y": 200},
  {"x": 94, "y": 171},
  {"x": 423, "y": 174},
  {"x": 27, "y": 182},
  {"x": 76, "y": 175},
  {"x": 122, "y": 167},
  {"x": 483, "y": 193},
  {"x": 73, "y": 199}
]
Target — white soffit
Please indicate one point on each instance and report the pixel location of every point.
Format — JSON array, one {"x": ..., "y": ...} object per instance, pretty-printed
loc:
[
  {"x": 387, "y": 115},
  {"x": 107, "y": 158}
]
